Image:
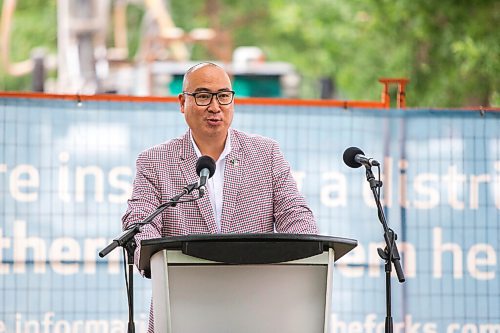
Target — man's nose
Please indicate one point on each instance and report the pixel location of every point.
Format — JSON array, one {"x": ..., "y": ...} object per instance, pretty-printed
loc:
[{"x": 214, "y": 105}]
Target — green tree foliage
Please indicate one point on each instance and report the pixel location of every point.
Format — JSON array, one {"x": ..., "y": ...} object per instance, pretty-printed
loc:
[{"x": 449, "y": 49}]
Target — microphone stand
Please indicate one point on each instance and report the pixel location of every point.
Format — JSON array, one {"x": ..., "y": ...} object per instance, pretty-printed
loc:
[
  {"x": 390, "y": 254},
  {"x": 127, "y": 242}
]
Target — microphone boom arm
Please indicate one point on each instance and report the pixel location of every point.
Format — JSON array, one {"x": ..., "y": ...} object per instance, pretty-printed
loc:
[
  {"x": 128, "y": 234},
  {"x": 390, "y": 236}
]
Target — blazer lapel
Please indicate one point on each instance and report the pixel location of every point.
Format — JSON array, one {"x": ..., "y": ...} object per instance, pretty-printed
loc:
[
  {"x": 187, "y": 165},
  {"x": 232, "y": 182}
]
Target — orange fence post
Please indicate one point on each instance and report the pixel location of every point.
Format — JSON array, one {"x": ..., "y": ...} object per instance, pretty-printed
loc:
[{"x": 401, "y": 97}]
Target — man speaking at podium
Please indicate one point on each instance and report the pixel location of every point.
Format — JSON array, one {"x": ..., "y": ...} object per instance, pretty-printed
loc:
[{"x": 252, "y": 190}]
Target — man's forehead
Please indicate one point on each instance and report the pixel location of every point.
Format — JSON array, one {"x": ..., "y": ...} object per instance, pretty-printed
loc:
[
  {"x": 202, "y": 89},
  {"x": 204, "y": 75}
]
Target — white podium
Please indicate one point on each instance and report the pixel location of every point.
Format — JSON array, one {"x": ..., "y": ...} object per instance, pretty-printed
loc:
[{"x": 242, "y": 282}]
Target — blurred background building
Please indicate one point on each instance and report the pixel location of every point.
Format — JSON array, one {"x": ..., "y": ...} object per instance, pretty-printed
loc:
[
  {"x": 93, "y": 57},
  {"x": 317, "y": 49}
]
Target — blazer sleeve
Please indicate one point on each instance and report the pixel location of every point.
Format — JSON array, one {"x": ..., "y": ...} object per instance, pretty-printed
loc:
[
  {"x": 146, "y": 196},
  {"x": 291, "y": 212}
]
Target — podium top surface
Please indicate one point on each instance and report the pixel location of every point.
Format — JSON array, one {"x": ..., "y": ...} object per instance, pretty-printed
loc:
[{"x": 252, "y": 248}]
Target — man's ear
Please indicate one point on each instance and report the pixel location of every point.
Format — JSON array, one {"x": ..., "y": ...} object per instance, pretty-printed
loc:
[{"x": 182, "y": 100}]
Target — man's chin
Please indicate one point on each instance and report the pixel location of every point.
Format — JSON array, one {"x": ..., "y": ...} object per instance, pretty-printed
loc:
[{"x": 214, "y": 131}]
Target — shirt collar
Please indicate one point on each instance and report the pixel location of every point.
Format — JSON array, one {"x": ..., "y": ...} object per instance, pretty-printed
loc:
[{"x": 225, "y": 152}]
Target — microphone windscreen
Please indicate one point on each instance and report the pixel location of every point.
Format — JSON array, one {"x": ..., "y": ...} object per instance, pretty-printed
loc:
[
  {"x": 350, "y": 157},
  {"x": 205, "y": 162}
]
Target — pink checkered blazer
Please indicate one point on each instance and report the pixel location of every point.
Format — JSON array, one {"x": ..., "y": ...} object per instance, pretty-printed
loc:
[{"x": 259, "y": 193}]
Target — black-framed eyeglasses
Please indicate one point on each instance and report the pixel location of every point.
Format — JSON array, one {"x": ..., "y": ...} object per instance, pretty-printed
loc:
[{"x": 204, "y": 98}]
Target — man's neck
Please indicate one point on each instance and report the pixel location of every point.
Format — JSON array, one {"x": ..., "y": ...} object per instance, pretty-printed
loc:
[{"x": 213, "y": 146}]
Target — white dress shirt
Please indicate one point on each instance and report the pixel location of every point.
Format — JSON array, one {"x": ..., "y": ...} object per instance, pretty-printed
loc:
[{"x": 215, "y": 184}]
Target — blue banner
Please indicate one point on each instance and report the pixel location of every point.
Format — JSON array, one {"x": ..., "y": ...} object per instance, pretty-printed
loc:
[{"x": 66, "y": 171}]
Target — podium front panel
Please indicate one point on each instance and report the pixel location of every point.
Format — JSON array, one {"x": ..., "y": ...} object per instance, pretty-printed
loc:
[{"x": 204, "y": 296}]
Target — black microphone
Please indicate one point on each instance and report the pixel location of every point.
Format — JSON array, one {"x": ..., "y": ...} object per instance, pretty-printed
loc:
[
  {"x": 355, "y": 157},
  {"x": 205, "y": 168}
]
